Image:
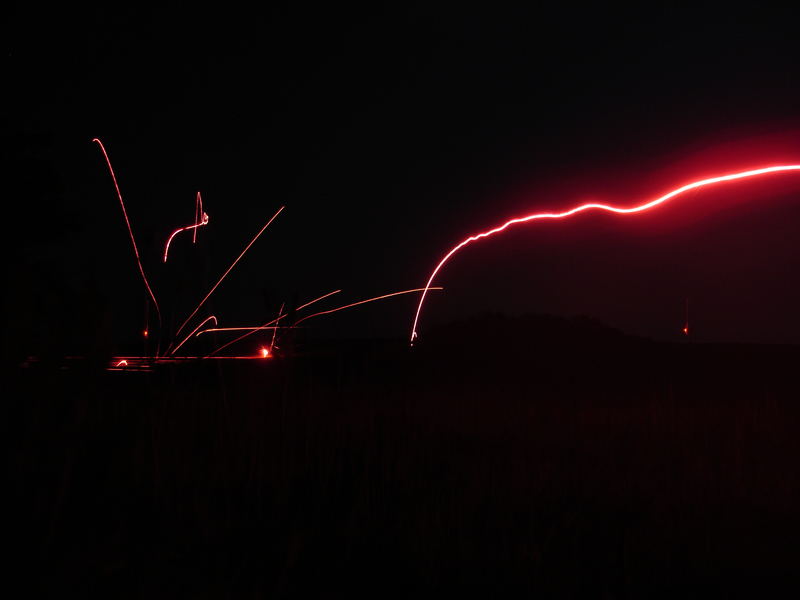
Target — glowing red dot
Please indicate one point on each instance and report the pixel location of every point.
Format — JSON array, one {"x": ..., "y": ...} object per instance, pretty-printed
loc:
[
  {"x": 686, "y": 331},
  {"x": 264, "y": 353},
  {"x": 144, "y": 333}
]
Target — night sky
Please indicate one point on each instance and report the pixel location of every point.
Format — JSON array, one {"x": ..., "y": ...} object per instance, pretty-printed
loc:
[{"x": 390, "y": 135}]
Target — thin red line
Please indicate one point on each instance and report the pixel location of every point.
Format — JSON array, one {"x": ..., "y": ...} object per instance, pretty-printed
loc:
[
  {"x": 228, "y": 271},
  {"x": 191, "y": 334},
  {"x": 130, "y": 231},
  {"x": 265, "y": 325},
  {"x": 333, "y": 310}
]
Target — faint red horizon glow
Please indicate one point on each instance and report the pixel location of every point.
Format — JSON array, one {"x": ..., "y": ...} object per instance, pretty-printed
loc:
[
  {"x": 130, "y": 231},
  {"x": 267, "y": 325},
  {"x": 194, "y": 312},
  {"x": 202, "y": 223},
  {"x": 193, "y": 332},
  {"x": 591, "y": 205}
]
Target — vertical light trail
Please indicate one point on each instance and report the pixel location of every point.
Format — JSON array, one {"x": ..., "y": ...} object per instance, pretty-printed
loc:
[
  {"x": 193, "y": 332},
  {"x": 130, "y": 232},
  {"x": 275, "y": 330},
  {"x": 194, "y": 312},
  {"x": 265, "y": 325},
  {"x": 614, "y": 209},
  {"x": 198, "y": 211}
]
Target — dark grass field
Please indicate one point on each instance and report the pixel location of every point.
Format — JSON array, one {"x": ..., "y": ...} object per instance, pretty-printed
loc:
[{"x": 558, "y": 459}]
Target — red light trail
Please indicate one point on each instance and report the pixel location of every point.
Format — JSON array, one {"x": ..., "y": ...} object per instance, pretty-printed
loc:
[
  {"x": 265, "y": 325},
  {"x": 275, "y": 330},
  {"x": 203, "y": 222},
  {"x": 130, "y": 231},
  {"x": 193, "y": 332},
  {"x": 194, "y": 312},
  {"x": 333, "y": 310},
  {"x": 583, "y": 207},
  {"x": 198, "y": 211}
]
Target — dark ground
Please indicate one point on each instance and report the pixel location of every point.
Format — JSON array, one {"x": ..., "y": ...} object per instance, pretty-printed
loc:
[{"x": 556, "y": 458}]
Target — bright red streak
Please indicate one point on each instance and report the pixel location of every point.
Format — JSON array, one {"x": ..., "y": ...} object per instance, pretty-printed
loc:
[
  {"x": 229, "y": 270},
  {"x": 267, "y": 325},
  {"x": 583, "y": 207},
  {"x": 177, "y": 231},
  {"x": 333, "y": 310},
  {"x": 130, "y": 231},
  {"x": 212, "y": 317},
  {"x": 122, "y": 363}
]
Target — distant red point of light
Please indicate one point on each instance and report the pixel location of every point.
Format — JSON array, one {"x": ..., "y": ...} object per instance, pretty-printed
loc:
[
  {"x": 583, "y": 207},
  {"x": 264, "y": 353},
  {"x": 685, "y": 331},
  {"x": 145, "y": 333}
]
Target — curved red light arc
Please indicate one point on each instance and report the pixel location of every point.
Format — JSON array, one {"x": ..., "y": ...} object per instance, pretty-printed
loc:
[
  {"x": 130, "y": 231},
  {"x": 211, "y": 318},
  {"x": 583, "y": 207},
  {"x": 202, "y": 223}
]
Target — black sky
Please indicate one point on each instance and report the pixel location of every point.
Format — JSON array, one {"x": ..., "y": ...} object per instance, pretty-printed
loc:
[{"x": 390, "y": 135}]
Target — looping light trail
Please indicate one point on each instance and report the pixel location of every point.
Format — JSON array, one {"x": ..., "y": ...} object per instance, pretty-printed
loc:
[
  {"x": 589, "y": 206},
  {"x": 130, "y": 231},
  {"x": 194, "y": 312},
  {"x": 268, "y": 324},
  {"x": 212, "y": 317},
  {"x": 202, "y": 223}
]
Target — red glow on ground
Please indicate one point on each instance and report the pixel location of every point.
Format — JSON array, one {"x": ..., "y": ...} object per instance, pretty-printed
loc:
[
  {"x": 583, "y": 207},
  {"x": 225, "y": 274},
  {"x": 264, "y": 353}
]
